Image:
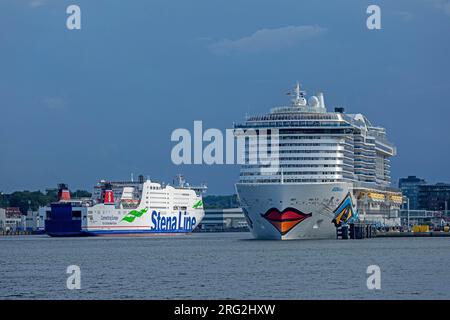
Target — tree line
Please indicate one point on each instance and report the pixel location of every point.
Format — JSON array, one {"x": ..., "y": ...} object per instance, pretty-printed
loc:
[{"x": 26, "y": 200}]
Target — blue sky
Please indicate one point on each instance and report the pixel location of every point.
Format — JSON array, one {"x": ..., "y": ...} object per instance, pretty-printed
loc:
[{"x": 101, "y": 102}]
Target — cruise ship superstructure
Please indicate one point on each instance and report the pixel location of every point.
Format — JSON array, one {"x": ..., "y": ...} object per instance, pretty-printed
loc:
[
  {"x": 127, "y": 208},
  {"x": 333, "y": 168}
]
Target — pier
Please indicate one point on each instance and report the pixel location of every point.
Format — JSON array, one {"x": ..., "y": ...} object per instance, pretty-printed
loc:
[
  {"x": 366, "y": 231},
  {"x": 396, "y": 234},
  {"x": 15, "y": 233},
  {"x": 355, "y": 231}
]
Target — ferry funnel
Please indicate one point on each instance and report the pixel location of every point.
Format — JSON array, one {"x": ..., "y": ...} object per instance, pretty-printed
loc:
[
  {"x": 109, "y": 197},
  {"x": 63, "y": 192}
]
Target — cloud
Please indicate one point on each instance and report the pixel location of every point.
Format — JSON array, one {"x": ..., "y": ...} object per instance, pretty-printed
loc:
[
  {"x": 443, "y": 5},
  {"x": 55, "y": 103},
  {"x": 405, "y": 15},
  {"x": 33, "y": 4},
  {"x": 266, "y": 40},
  {"x": 37, "y": 3}
]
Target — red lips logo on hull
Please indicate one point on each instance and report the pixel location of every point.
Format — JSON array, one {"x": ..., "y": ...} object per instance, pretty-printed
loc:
[{"x": 285, "y": 220}]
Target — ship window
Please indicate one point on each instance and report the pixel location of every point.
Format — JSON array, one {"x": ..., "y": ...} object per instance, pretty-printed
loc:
[{"x": 76, "y": 215}]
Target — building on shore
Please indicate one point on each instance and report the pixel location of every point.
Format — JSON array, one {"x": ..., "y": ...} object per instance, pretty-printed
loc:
[
  {"x": 31, "y": 221},
  {"x": 11, "y": 220},
  {"x": 434, "y": 197},
  {"x": 423, "y": 196},
  {"x": 410, "y": 187},
  {"x": 424, "y": 203},
  {"x": 423, "y": 217},
  {"x": 2, "y": 219},
  {"x": 232, "y": 219}
]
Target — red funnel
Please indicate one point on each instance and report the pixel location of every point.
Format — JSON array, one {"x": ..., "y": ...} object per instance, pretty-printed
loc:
[
  {"x": 109, "y": 197},
  {"x": 63, "y": 192}
]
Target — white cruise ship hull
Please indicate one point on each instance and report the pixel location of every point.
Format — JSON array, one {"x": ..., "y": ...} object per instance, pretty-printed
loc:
[{"x": 295, "y": 211}]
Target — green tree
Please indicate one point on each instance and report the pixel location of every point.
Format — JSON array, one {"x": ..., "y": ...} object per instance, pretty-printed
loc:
[
  {"x": 80, "y": 194},
  {"x": 34, "y": 199},
  {"x": 3, "y": 200}
]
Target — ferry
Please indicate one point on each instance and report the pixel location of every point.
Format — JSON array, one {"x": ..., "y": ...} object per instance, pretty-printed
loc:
[
  {"x": 126, "y": 208},
  {"x": 333, "y": 169}
]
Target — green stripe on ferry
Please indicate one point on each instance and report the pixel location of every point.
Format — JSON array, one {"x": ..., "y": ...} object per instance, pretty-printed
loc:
[
  {"x": 133, "y": 214},
  {"x": 198, "y": 204}
]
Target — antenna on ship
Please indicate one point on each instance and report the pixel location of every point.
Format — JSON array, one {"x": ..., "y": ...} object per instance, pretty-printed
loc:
[
  {"x": 299, "y": 100},
  {"x": 180, "y": 179},
  {"x": 297, "y": 91}
]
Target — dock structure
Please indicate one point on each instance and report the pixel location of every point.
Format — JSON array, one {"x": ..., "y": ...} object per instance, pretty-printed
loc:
[
  {"x": 15, "y": 233},
  {"x": 355, "y": 231},
  {"x": 397, "y": 234},
  {"x": 367, "y": 231}
]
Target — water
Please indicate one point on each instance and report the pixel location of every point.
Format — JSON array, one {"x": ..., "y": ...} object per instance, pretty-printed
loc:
[{"x": 223, "y": 266}]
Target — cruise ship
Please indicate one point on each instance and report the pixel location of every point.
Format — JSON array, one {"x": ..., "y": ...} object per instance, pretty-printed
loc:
[
  {"x": 140, "y": 207},
  {"x": 333, "y": 169}
]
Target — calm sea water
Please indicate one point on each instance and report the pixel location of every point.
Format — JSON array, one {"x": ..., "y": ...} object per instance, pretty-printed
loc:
[{"x": 223, "y": 266}]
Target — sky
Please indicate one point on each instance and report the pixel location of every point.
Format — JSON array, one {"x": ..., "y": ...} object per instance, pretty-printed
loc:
[{"x": 77, "y": 106}]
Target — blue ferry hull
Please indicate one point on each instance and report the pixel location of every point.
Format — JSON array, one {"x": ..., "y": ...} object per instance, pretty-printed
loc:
[{"x": 63, "y": 221}]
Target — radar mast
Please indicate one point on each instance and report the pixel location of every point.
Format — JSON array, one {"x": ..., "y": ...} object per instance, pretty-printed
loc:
[{"x": 299, "y": 100}]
